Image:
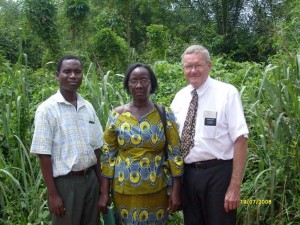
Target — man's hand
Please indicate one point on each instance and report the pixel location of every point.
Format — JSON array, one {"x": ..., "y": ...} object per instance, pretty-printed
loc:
[
  {"x": 56, "y": 205},
  {"x": 55, "y": 201},
  {"x": 232, "y": 198}
]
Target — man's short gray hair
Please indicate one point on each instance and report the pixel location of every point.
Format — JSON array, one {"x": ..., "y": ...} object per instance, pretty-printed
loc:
[{"x": 194, "y": 49}]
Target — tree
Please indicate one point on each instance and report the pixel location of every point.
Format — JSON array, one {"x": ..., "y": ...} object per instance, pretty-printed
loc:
[
  {"x": 77, "y": 11},
  {"x": 9, "y": 36},
  {"x": 158, "y": 39},
  {"x": 41, "y": 15},
  {"x": 136, "y": 16},
  {"x": 109, "y": 50}
]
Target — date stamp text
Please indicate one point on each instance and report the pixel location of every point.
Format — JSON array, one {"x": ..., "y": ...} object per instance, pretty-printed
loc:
[{"x": 255, "y": 201}]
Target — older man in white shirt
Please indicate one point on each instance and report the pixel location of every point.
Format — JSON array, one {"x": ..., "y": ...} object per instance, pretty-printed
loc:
[{"x": 216, "y": 158}]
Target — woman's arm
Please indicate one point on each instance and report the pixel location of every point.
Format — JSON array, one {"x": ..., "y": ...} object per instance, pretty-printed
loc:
[
  {"x": 104, "y": 199},
  {"x": 175, "y": 198}
]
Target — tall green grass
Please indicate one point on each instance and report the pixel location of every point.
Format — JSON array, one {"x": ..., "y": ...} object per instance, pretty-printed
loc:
[
  {"x": 273, "y": 165},
  {"x": 105, "y": 92},
  {"x": 21, "y": 181},
  {"x": 22, "y": 187}
]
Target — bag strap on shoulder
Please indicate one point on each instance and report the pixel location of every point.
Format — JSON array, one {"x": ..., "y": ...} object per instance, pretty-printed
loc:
[{"x": 162, "y": 113}]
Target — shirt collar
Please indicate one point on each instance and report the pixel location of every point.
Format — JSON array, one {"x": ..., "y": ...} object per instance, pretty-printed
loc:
[
  {"x": 201, "y": 90},
  {"x": 60, "y": 98}
]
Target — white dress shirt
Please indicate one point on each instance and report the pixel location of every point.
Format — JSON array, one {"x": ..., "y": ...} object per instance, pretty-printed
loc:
[{"x": 220, "y": 119}]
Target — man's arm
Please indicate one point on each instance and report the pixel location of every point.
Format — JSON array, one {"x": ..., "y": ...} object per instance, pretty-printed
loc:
[
  {"x": 232, "y": 196},
  {"x": 55, "y": 201}
]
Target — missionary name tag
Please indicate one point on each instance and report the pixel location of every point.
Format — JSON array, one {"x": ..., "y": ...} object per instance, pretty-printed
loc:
[{"x": 210, "y": 118}]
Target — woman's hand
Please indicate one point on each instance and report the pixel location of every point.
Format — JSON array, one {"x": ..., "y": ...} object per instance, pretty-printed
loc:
[
  {"x": 175, "y": 198},
  {"x": 174, "y": 202},
  {"x": 104, "y": 198}
]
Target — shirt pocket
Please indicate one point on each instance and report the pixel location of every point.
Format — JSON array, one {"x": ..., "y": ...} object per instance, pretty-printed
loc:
[
  {"x": 208, "y": 131},
  {"x": 86, "y": 128},
  {"x": 208, "y": 124},
  {"x": 91, "y": 132}
]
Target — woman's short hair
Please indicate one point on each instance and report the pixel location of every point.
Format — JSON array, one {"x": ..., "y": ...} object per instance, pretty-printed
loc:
[{"x": 154, "y": 85}]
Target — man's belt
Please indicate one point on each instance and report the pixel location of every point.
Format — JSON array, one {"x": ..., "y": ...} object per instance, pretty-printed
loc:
[
  {"x": 81, "y": 172},
  {"x": 206, "y": 164}
]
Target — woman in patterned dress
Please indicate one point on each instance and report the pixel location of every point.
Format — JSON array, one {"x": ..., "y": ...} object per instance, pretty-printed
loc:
[{"x": 133, "y": 154}]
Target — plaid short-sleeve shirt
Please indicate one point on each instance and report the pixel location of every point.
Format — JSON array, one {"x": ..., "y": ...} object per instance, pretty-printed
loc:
[{"x": 68, "y": 134}]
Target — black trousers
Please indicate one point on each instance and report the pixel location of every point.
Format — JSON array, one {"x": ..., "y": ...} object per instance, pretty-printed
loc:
[{"x": 204, "y": 193}]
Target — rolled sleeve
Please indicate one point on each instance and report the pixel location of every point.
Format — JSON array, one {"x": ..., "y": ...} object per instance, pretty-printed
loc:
[{"x": 236, "y": 120}]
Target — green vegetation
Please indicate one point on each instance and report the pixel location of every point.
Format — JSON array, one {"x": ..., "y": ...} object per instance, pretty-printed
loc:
[
  {"x": 258, "y": 54},
  {"x": 271, "y": 98}
]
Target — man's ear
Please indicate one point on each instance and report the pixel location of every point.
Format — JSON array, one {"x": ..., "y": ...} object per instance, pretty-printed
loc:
[{"x": 210, "y": 65}]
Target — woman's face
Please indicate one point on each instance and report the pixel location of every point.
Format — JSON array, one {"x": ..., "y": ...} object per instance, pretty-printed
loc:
[{"x": 139, "y": 84}]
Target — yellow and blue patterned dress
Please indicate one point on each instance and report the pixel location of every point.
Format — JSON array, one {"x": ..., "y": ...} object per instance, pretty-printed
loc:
[{"x": 132, "y": 156}]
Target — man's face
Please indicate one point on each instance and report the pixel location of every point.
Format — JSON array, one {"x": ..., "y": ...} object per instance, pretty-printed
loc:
[
  {"x": 196, "y": 68},
  {"x": 70, "y": 75}
]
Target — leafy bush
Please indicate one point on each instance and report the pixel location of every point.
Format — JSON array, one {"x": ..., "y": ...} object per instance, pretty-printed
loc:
[
  {"x": 41, "y": 15},
  {"x": 76, "y": 10},
  {"x": 109, "y": 50},
  {"x": 158, "y": 42},
  {"x": 170, "y": 80}
]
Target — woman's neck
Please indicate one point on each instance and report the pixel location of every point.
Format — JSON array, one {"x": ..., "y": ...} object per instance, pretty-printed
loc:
[
  {"x": 140, "y": 108},
  {"x": 141, "y": 104}
]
